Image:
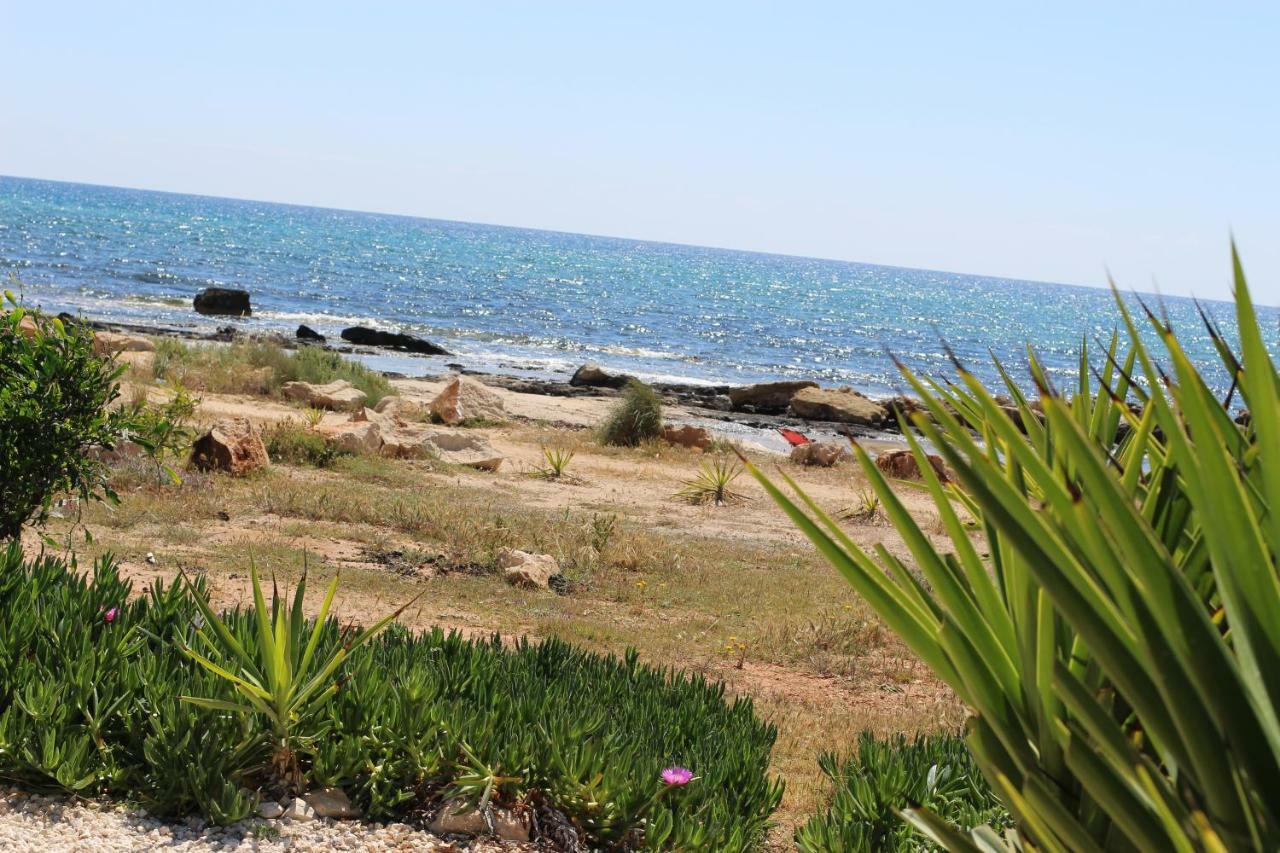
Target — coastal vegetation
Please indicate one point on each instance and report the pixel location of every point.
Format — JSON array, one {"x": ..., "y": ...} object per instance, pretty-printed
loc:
[
  {"x": 1114, "y": 634},
  {"x": 636, "y": 418}
]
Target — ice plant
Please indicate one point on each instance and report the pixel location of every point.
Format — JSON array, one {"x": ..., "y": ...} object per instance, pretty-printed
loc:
[
  {"x": 110, "y": 615},
  {"x": 677, "y": 776}
]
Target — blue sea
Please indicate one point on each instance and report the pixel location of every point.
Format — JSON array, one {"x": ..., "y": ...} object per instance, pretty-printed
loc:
[{"x": 540, "y": 303}]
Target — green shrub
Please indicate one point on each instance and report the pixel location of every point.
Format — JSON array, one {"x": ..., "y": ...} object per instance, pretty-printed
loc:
[
  {"x": 1117, "y": 636},
  {"x": 885, "y": 776},
  {"x": 90, "y": 687},
  {"x": 56, "y": 413},
  {"x": 636, "y": 418},
  {"x": 292, "y": 444}
]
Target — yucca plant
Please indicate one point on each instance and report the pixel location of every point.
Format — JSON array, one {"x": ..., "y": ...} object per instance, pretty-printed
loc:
[
  {"x": 714, "y": 484},
  {"x": 1118, "y": 643},
  {"x": 557, "y": 461},
  {"x": 280, "y": 676}
]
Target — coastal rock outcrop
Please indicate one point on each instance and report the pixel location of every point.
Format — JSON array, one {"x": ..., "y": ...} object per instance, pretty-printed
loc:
[
  {"x": 823, "y": 454},
  {"x": 902, "y": 465},
  {"x": 368, "y": 432},
  {"x": 767, "y": 398},
  {"x": 466, "y": 399},
  {"x": 365, "y": 336},
  {"x": 306, "y": 333},
  {"x": 223, "y": 301},
  {"x": 532, "y": 571},
  {"x": 357, "y": 437},
  {"x": 233, "y": 445},
  {"x": 338, "y": 394},
  {"x": 592, "y": 375},
  {"x": 693, "y": 437},
  {"x": 111, "y": 343},
  {"x": 464, "y": 448},
  {"x": 401, "y": 408},
  {"x": 842, "y": 405}
]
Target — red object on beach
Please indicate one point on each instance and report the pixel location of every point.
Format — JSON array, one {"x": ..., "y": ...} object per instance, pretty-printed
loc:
[{"x": 795, "y": 439}]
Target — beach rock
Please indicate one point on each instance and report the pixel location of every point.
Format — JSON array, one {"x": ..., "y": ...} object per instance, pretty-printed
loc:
[
  {"x": 360, "y": 437},
  {"x": 408, "y": 441},
  {"x": 532, "y": 571},
  {"x": 27, "y": 327},
  {"x": 459, "y": 817},
  {"x": 298, "y": 809},
  {"x": 823, "y": 454},
  {"x": 270, "y": 810},
  {"x": 842, "y": 405},
  {"x": 394, "y": 340},
  {"x": 232, "y": 445},
  {"x": 902, "y": 465},
  {"x": 465, "y": 399},
  {"x": 110, "y": 343},
  {"x": 306, "y": 333},
  {"x": 591, "y": 375},
  {"x": 332, "y": 803},
  {"x": 717, "y": 402},
  {"x": 687, "y": 436},
  {"x": 223, "y": 301},
  {"x": 767, "y": 398},
  {"x": 140, "y": 360},
  {"x": 339, "y": 394},
  {"x": 400, "y": 408},
  {"x": 463, "y": 448}
]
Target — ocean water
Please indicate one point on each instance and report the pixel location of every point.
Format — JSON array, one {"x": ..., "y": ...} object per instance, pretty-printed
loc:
[{"x": 540, "y": 303}]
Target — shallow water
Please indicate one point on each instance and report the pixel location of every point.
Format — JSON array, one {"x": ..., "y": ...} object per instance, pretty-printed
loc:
[{"x": 521, "y": 301}]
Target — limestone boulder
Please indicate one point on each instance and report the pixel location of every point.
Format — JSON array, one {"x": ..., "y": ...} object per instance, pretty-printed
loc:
[
  {"x": 695, "y": 438},
  {"x": 233, "y": 445},
  {"x": 465, "y": 399},
  {"x": 767, "y": 398},
  {"x": 823, "y": 454},
  {"x": 339, "y": 394},
  {"x": 400, "y": 408},
  {"x": 531, "y": 571},
  {"x": 111, "y": 343},
  {"x": 357, "y": 437},
  {"x": 27, "y": 327},
  {"x": 841, "y": 405},
  {"x": 902, "y": 465},
  {"x": 592, "y": 375},
  {"x": 463, "y": 448}
]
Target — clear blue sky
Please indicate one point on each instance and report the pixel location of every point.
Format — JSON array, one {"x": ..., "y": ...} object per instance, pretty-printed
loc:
[{"x": 1006, "y": 139}]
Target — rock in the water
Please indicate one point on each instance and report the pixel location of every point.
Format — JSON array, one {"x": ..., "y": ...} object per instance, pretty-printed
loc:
[
  {"x": 821, "y": 453},
  {"x": 687, "y": 436},
  {"x": 395, "y": 340},
  {"x": 298, "y": 809},
  {"x": 332, "y": 803},
  {"x": 591, "y": 375},
  {"x": 233, "y": 445},
  {"x": 459, "y": 817},
  {"x": 270, "y": 810},
  {"x": 110, "y": 343},
  {"x": 902, "y": 465},
  {"x": 767, "y": 398},
  {"x": 842, "y": 405},
  {"x": 533, "y": 571},
  {"x": 466, "y": 399},
  {"x": 400, "y": 408},
  {"x": 223, "y": 300},
  {"x": 306, "y": 333},
  {"x": 339, "y": 394},
  {"x": 464, "y": 448}
]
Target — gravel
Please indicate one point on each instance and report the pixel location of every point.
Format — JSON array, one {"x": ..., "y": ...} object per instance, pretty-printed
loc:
[{"x": 42, "y": 824}]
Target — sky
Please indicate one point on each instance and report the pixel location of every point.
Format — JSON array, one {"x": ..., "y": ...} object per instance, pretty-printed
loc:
[{"x": 1054, "y": 142}]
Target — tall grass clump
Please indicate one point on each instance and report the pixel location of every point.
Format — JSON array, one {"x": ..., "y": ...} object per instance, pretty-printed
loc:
[
  {"x": 1117, "y": 637},
  {"x": 161, "y": 700},
  {"x": 635, "y": 419},
  {"x": 885, "y": 776}
]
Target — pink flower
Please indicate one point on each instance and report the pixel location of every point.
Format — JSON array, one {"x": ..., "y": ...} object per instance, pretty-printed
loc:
[
  {"x": 677, "y": 776},
  {"x": 110, "y": 615}
]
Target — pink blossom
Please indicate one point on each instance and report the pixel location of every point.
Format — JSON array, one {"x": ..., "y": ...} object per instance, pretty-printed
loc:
[
  {"x": 677, "y": 776},
  {"x": 110, "y": 615}
]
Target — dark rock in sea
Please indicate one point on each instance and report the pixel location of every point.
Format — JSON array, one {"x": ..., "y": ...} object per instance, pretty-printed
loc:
[
  {"x": 767, "y": 398},
  {"x": 225, "y": 333},
  {"x": 591, "y": 375},
  {"x": 223, "y": 301},
  {"x": 392, "y": 340},
  {"x": 306, "y": 333}
]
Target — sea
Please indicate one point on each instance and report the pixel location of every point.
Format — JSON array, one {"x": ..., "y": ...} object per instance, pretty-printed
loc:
[{"x": 541, "y": 303}]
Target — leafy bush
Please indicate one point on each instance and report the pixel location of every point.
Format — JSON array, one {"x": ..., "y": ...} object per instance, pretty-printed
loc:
[
  {"x": 885, "y": 776},
  {"x": 1119, "y": 645},
  {"x": 55, "y": 413},
  {"x": 290, "y": 443},
  {"x": 90, "y": 687},
  {"x": 636, "y": 418},
  {"x": 260, "y": 368}
]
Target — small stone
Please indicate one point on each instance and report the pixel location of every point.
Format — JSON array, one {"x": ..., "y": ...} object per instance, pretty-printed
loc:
[
  {"x": 151, "y": 558},
  {"x": 532, "y": 571},
  {"x": 332, "y": 802},
  {"x": 270, "y": 810},
  {"x": 298, "y": 809}
]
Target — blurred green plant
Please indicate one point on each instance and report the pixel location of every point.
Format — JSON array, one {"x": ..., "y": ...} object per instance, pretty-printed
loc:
[
  {"x": 1119, "y": 648},
  {"x": 556, "y": 463},
  {"x": 714, "y": 484},
  {"x": 635, "y": 419}
]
